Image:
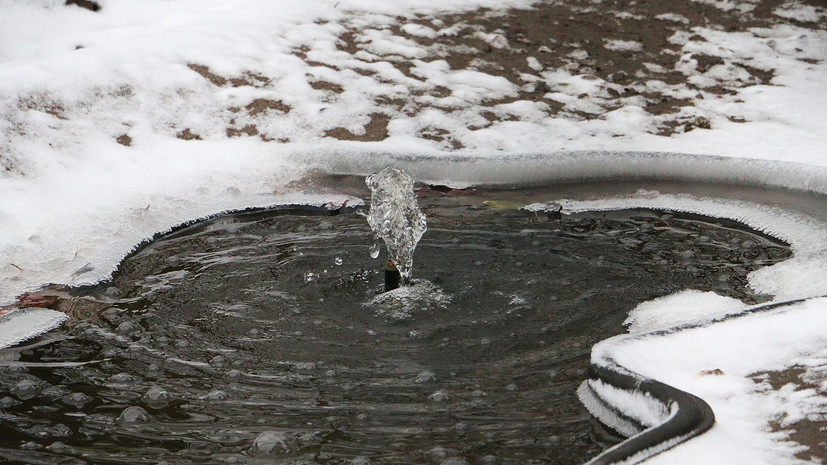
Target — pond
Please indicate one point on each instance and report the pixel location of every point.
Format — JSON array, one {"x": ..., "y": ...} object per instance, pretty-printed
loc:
[{"x": 263, "y": 337}]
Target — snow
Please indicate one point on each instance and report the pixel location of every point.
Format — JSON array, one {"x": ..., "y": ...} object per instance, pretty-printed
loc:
[
  {"x": 623, "y": 45},
  {"x": 689, "y": 360},
  {"x": 27, "y": 323},
  {"x": 679, "y": 309},
  {"x": 75, "y": 201}
]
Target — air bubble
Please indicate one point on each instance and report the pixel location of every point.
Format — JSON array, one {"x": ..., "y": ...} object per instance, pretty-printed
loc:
[
  {"x": 216, "y": 394},
  {"x": 133, "y": 415},
  {"x": 425, "y": 377},
  {"x": 270, "y": 442},
  {"x": 25, "y": 389},
  {"x": 439, "y": 396},
  {"x": 374, "y": 251},
  {"x": 157, "y": 395}
]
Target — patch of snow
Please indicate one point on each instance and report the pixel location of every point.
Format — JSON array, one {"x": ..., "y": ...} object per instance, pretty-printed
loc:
[
  {"x": 27, "y": 323},
  {"x": 623, "y": 45},
  {"x": 795, "y": 10},
  {"x": 418, "y": 30},
  {"x": 678, "y": 309},
  {"x": 673, "y": 17},
  {"x": 743, "y": 6}
]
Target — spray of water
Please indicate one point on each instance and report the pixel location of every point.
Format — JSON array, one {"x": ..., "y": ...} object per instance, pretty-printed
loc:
[{"x": 395, "y": 216}]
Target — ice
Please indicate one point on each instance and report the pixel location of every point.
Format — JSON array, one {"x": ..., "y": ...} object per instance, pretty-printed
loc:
[
  {"x": 395, "y": 216},
  {"x": 28, "y": 323},
  {"x": 680, "y": 308}
]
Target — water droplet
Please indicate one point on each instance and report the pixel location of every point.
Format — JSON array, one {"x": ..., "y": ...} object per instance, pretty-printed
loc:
[
  {"x": 374, "y": 250},
  {"x": 338, "y": 260},
  {"x": 133, "y": 415},
  {"x": 310, "y": 276},
  {"x": 120, "y": 379},
  {"x": 59, "y": 448}
]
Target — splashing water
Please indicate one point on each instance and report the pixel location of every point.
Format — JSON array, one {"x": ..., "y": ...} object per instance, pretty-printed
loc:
[{"x": 395, "y": 216}]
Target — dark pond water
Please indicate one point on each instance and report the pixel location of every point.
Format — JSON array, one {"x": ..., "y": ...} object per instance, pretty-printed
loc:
[{"x": 259, "y": 338}]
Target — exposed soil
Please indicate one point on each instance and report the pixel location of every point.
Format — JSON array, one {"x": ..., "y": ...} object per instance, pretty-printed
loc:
[
  {"x": 811, "y": 431},
  {"x": 633, "y": 53}
]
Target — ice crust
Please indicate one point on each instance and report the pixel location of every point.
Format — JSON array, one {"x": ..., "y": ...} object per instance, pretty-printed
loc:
[
  {"x": 26, "y": 323},
  {"x": 806, "y": 235}
]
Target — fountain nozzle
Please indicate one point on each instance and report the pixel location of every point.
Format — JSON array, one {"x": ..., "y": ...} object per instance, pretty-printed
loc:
[{"x": 392, "y": 276}]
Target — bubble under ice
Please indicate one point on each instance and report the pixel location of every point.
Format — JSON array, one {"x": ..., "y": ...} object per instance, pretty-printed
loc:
[{"x": 395, "y": 216}]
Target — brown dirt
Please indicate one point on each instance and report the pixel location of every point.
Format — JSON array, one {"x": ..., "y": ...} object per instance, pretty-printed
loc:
[
  {"x": 124, "y": 140},
  {"x": 187, "y": 134},
  {"x": 810, "y": 432},
  {"x": 375, "y": 129}
]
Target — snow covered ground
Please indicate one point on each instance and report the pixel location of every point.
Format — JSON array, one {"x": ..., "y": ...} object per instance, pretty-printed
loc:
[{"x": 126, "y": 121}]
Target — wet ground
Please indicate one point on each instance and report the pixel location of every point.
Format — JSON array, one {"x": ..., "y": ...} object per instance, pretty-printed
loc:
[{"x": 259, "y": 338}]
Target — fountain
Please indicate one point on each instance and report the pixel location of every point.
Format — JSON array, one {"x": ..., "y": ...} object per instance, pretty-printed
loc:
[{"x": 396, "y": 219}]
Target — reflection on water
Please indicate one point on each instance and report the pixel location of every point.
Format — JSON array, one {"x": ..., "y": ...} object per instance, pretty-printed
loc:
[{"x": 260, "y": 339}]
